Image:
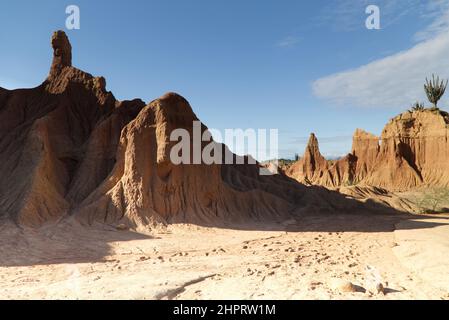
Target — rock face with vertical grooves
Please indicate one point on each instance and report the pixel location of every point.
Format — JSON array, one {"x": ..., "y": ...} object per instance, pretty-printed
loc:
[
  {"x": 69, "y": 148},
  {"x": 58, "y": 141},
  {"x": 413, "y": 151}
]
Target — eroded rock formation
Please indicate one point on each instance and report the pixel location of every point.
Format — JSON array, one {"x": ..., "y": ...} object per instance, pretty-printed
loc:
[
  {"x": 69, "y": 148},
  {"x": 413, "y": 151},
  {"x": 58, "y": 141}
]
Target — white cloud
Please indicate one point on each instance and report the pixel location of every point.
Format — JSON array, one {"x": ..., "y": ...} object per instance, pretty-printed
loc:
[
  {"x": 288, "y": 41},
  {"x": 333, "y": 155},
  {"x": 349, "y": 15},
  {"x": 395, "y": 81},
  {"x": 440, "y": 23}
]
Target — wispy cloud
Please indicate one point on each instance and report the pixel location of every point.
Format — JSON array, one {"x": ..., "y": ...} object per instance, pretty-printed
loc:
[
  {"x": 322, "y": 140},
  {"x": 288, "y": 41},
  {"x": 333, "y": 155},
  {"x": 349, "y": 15},
  {"x": 394, "y": 81},
  {"x": 439, "y": 10}
]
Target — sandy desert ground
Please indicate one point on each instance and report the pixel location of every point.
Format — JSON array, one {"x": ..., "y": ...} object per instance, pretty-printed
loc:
[{"x": 308, "y": 258}]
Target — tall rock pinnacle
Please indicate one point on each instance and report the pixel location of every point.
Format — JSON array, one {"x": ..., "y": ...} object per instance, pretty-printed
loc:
[
  {"x": 62, "y": 53},
  {"x": 312, "y": 146}
]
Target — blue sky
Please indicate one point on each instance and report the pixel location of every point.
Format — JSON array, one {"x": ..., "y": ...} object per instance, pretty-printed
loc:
[{"x": 298, "y": 66}]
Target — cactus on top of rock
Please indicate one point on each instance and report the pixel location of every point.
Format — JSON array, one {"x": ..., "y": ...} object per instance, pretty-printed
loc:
[{"x": 435, "y": 89}]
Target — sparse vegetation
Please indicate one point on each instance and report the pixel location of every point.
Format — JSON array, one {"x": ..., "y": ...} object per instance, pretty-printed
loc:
[
  {"x": 433, "y": 201},
  {"x": 435, "y": 89},
  {"x": 283, "y": 164},
  {"x": 418, "y": 106}
]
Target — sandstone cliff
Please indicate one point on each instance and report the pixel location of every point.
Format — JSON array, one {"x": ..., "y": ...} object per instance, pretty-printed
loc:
[{"x": 413, "y": 151}]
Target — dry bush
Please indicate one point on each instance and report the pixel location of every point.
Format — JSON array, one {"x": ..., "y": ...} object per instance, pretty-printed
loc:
[{"x": 433, "y": 201}]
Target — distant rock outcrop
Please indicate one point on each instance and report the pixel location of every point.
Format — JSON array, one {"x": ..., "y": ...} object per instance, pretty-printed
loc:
[
  {"x": 313, "y": 168},
  {"x": 413, "y": 151}
]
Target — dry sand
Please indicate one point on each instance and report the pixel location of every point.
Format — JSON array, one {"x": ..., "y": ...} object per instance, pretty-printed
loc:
[{"x": 310, "y": 258}]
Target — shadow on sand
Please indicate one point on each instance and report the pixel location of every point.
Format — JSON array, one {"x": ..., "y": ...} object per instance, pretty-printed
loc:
[
  {"x": 67, "y": 242},
  {"x": 319, "y": 210}
]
